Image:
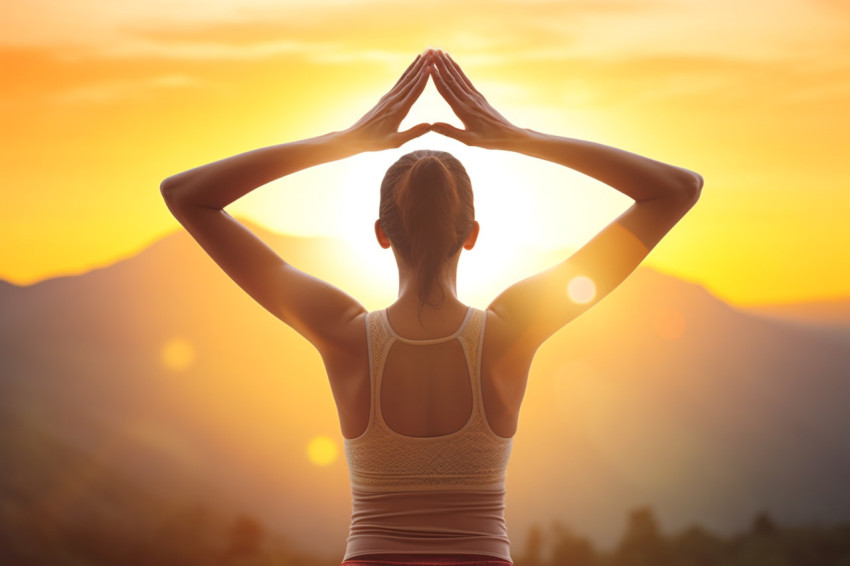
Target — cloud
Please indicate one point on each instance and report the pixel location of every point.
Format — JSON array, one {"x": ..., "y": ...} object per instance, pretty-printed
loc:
[
  {"x": 39, "y": 76},
  {"x": 554, "y": 38},
  {"x": 539, "y": 52},
  {"x": 123, "y": 90},
  {"x": 191, "y": 28}
]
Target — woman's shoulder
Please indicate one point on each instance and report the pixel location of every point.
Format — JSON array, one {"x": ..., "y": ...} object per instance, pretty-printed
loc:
[
  {"x": 503, "y": 344},
  {"x": 349, "y": 335},
  {"x": 347, "y": 352}
]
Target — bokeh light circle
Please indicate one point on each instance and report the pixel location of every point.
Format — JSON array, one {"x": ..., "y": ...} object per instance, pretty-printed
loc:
[{"x": 322, "y": 450}]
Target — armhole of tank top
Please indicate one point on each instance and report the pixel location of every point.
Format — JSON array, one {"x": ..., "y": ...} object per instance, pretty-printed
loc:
[
  {"x": 370, "y": 422},
  {"x": 462, "y": 339},
  {"x": 377, "y": 366},
  {"x": 473, "y": 365},
  {"x": 480, "y": 382}
]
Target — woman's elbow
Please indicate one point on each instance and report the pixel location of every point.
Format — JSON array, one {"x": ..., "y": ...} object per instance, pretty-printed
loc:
[
  {"x": 698, "y": 181},
  {"x": 690, "y": 187},
  {"x": 166, "y": 188},
  {"x": 173, "y": 191},
  {"x": 174, "y": 195}
]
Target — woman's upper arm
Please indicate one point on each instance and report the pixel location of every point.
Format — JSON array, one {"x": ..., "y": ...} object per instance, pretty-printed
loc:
[
  {"x": 533, "y": 309},
  {"x": 315, "y": 309}
]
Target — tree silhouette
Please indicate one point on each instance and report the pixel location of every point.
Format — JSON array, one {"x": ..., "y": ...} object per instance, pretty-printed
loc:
[
  {"x": 533, "y": 555},
  {"x": 571, "y": 549},
  {"x": 244, "y": 538},
  {"x": 185, "y": 538},
  {"x": 642, "y": 543},
  {"x": 763, "y": 525},
  {"x": 696, "y": 547}
]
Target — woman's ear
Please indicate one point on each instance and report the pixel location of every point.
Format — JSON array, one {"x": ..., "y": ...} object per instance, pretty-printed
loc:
[
  {"x": 473, "y": 236},
  {"x": 383, "y": 241}
]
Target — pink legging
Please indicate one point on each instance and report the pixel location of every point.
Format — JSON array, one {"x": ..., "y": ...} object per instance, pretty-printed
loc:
[{"x": 427, "y": 560}]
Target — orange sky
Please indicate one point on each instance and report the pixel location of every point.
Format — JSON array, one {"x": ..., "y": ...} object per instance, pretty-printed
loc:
[{"x": 101, "y": 100}]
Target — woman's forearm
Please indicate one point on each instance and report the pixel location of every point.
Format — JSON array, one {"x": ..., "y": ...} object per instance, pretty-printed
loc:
[
  {"x": 635, "y": 176},
  {"x": 218, "y": 184}
]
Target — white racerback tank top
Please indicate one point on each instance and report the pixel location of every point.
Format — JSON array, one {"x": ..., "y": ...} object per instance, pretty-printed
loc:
[{"x": 427, "y": 495}]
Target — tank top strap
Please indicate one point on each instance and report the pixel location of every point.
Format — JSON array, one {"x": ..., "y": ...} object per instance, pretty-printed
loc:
[
  {"x": 379, "y": 338},
  {"x": 471, "y": 338},
  {"x": 388, "y": 327}
]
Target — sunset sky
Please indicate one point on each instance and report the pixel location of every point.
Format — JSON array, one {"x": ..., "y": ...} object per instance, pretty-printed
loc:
[{"x": 101, "y": 100}]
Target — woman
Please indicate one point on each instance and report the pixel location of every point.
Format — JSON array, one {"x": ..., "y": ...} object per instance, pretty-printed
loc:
[{"x": 428, "y": 401}]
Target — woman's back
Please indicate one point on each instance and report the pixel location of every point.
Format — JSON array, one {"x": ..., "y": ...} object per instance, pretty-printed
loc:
[
  {"x": 435, "y": 481},
  {"x": 429, "y": 384},
  {"x": 426, "y": 387}
]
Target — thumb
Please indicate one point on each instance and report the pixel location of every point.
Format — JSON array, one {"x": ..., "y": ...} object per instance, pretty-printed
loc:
[
  {"x": 450, "y": 131},
  {"x": 414, "y": 132}
]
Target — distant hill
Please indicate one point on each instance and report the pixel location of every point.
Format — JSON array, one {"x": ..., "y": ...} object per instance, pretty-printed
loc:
[
  {"x": 835, "y": 312},
  {"x": 131, "y": 390}
]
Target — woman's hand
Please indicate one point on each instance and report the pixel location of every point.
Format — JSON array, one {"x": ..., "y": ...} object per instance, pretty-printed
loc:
[
  {"x": 378, "y": 129},
  {"x": 484, "y": 126}
]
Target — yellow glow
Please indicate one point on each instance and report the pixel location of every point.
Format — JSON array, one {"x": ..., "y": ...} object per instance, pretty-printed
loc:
[
  {"x": 752, "y": 238},
  {"x": 581, "y": 289},
  {"x": 322, "y": 451},
  {"x": 177, "y": 354}
]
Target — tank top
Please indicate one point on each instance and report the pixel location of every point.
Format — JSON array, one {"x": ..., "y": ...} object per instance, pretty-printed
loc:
[{"x": 427, "y": 495}]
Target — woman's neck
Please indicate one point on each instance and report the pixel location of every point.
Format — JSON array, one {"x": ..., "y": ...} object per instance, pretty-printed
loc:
[
  {"x": 440, "y": 313},
  {"x": 444, "y": 286},
  {"x": 430, "y": 321}
]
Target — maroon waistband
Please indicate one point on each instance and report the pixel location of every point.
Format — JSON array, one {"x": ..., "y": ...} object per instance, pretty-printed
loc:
[{"x": 426, "y": 560}]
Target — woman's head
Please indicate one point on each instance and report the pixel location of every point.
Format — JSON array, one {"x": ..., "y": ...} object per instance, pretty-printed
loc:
[{"x": 427, "y": 213}]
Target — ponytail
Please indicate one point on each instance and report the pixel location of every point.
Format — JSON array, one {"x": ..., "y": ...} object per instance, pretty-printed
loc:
[{"x": 427, "y": 213}]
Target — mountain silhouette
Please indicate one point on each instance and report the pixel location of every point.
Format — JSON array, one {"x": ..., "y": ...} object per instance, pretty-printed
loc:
[
  {"x": 825, "y": 312},
  {"x": 131, "y": 390}
]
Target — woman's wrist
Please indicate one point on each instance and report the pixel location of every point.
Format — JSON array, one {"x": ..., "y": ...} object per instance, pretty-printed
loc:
[
  {"x": 515, "y": 139},
  {"x": 344, "y": 141},
  {"x": 337, "y": 145},
  {"x": 352, "y": 142}
]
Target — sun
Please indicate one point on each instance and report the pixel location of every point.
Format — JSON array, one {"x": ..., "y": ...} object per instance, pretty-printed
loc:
[{"x": 532, "y": 212}]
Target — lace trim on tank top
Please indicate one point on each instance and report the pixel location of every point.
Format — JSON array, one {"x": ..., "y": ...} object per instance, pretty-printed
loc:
[{"x": 473, "y": 457}]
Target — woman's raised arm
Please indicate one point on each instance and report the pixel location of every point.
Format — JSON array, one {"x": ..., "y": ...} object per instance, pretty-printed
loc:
[
  {"x": 531, "y": 310},
  {"x": 197, "y": 198}
]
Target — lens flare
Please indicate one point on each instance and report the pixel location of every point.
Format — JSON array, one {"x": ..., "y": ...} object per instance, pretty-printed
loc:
[
  {"x": 581, "y": 289},
  {"x": 322, "y": 451},
  {"x": 177, "y": 354}
]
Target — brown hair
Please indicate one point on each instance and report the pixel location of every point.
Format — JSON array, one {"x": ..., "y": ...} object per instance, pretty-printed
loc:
[{"x": 427, "y": 212}]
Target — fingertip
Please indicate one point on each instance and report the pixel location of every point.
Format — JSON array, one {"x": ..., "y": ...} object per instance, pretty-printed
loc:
[
  {"x": 442, "y": 128},
  {"x": 414, "y": 132}
]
